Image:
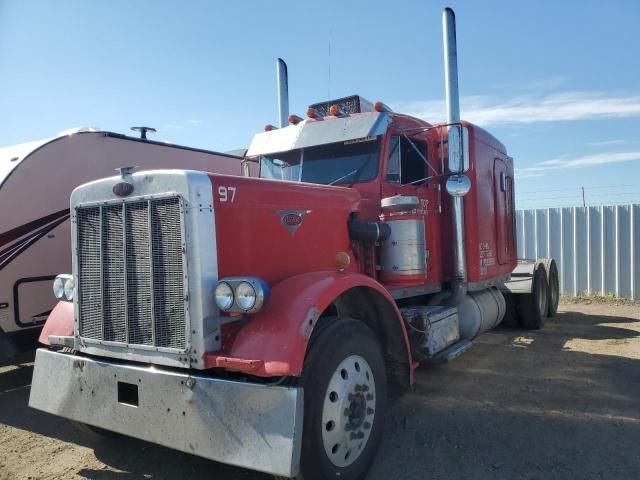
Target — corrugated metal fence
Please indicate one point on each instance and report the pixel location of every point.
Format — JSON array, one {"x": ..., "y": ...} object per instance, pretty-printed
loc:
[{"x": 596, "y": 248}]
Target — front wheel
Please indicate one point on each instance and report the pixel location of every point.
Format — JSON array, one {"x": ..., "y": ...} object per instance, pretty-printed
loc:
[{"x": 344, "y": 383}]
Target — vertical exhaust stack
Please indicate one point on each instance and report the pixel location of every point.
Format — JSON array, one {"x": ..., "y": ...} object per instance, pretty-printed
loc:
[
  {"x": 458, "y": 184},
  {"x": 283, "y": 93}
]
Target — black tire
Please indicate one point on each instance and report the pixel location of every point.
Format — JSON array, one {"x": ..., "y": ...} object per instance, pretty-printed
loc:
[
  {"x": 339, "y": 346},
  {"x": 532, "y": 307},
  {"x": 553, "y": 283},
  {"x": 511, "y": 318}
]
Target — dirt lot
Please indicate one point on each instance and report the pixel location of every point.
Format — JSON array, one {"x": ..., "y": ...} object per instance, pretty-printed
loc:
[{"x": 563, "y": 402}]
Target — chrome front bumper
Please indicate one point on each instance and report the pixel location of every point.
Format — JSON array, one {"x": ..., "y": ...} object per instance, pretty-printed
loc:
[{"x": 243, "y": 424}]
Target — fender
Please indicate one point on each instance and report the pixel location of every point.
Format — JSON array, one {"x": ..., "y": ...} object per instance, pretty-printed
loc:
[
  {"x": 60, "y": 322},
  {"x": 274, "y": 341}
]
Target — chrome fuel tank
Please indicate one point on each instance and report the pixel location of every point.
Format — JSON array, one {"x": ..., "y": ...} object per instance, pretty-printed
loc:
[{"x": 403, "y": 255}]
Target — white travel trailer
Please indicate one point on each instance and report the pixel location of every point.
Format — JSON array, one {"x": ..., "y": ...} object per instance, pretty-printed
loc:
[{"x": 36, "y": 180}]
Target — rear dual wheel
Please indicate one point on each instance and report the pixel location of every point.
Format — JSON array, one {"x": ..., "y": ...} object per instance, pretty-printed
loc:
[
  {"x": 531, "y": 310},
  {"x": 532, "y": 307},
  {"x": 553, "y": 284},
  {"x": 344, "y": 383}
]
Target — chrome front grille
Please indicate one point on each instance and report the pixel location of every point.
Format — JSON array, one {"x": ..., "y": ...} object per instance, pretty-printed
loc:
[{"x": 131, "y": 273}]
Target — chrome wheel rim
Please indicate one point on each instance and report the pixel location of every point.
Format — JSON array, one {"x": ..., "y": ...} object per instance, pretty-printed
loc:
[{"x": 348, "y": 411}]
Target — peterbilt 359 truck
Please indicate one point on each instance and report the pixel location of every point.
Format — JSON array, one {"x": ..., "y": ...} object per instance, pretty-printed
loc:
[{"x": 259, "y": 321}]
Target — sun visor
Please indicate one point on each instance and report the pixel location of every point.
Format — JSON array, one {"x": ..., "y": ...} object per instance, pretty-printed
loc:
[{"x": 309, "y": 133}]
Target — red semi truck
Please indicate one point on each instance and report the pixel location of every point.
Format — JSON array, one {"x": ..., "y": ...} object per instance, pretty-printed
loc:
[{"x": 258, "y": 321}]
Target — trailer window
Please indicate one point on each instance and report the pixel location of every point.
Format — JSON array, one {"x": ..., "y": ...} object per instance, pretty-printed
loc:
[{"x": 406, "y": 163}]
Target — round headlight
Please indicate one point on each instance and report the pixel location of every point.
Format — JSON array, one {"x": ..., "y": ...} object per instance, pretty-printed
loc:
[
  {"x": 245, "y": 296},
  {"x": 58, "y": 287},
  {"x": 224, "y": 296},
  {"x": 69, "y": 288}
]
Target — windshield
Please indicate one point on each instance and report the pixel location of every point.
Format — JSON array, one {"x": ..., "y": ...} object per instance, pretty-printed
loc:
[{"x": 331, "y": 164}]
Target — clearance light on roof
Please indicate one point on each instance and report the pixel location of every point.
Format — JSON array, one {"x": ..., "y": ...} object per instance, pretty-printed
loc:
[
  {"x": 336, "y": 111},
  {"x": 313, "y": 113},
  {"x": 381, "y": 107},
  {"x": 268, "y": 127},
  {"x": 295, "y": 119}
]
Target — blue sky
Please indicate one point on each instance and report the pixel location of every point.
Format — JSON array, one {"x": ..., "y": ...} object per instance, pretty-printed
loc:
[{"x": 557, "y": 82}]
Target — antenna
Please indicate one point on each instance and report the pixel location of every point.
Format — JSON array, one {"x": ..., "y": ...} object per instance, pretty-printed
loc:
[{"x": 329, "y": 68}]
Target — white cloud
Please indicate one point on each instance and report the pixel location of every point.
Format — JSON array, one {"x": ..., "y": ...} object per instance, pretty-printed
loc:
[
  {"x": 564, "y": 106},
  {"x": 520, "y": 174},
  {"x": 607, "y": 143},
  {"x": 535, "y": 85},
  {"x": 590, "y": 160},
  {"x": 539, "y": 169},
  {"x": 181, "y": 125}
]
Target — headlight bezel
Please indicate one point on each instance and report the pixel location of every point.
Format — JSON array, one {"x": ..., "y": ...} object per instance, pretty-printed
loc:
[
  {"x": 222, "y": 307},
  {"x": 64, "y": 287},
  {"x": 259, "y": 287},
  {"x": 244, "y": 292}
]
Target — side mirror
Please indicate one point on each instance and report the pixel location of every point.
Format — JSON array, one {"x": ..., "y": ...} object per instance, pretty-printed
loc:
[{"x": 458, "y": 142}]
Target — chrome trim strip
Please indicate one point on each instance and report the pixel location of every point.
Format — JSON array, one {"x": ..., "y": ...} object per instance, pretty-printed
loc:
[
  {"x": 407, "y": 292},
  {"x": 491, "y": 282}
]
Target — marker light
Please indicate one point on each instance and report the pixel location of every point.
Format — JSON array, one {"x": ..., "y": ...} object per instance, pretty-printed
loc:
[
  {"x": 268, "y": 127},
  {"x": 342, "y": 261},
  {"x": 224, "y": 296},
  {"x": 294, "y": 119},
  {"x": 335, "y": 111},
  {"x": 381, "y": 107},
  {"x": 313, "y": 113}
]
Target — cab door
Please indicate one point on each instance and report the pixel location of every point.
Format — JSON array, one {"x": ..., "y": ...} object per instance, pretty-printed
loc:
[
  {"x": 504, "y": 214},
  {"x": 407, "y": 173}
]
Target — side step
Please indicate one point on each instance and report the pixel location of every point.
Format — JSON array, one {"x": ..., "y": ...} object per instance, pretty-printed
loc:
[{"x": 452, "y": 352}]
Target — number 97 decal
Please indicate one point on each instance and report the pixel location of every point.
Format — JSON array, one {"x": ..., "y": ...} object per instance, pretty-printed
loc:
[{"x": 226, "y": 194}]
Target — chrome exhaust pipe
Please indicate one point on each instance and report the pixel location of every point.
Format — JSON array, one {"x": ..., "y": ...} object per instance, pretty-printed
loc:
[
  {"x": 283, "y": 93},
  {"x": 452, "y": 95},
  {"x": 457, "y": 184}
]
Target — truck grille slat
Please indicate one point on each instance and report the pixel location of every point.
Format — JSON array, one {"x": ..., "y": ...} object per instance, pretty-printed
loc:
[
  {"x": 115, "y": 326},
  {"x": 168, "y": 274},
  {"x": 131, "y": 286},
  {"x": 89, "y": 273},
  {"x": 138, "y": 275}
]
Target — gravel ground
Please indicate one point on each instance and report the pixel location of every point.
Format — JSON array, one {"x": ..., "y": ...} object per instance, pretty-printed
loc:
[{"x": 560, "y": 403}]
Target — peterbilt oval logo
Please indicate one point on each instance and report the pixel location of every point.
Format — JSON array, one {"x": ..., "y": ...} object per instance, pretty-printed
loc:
[
  {"x": 292, "y": 219},
  {"x": 123, "y": 189}
]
